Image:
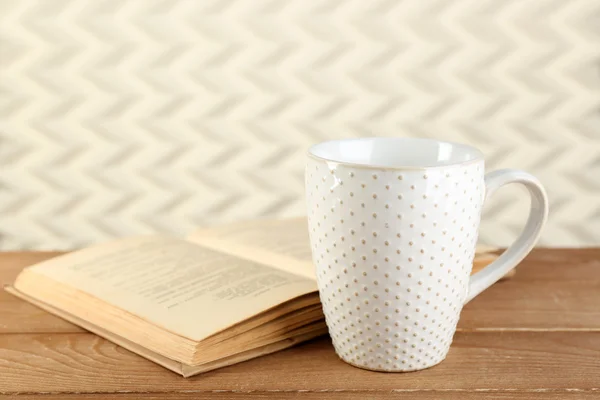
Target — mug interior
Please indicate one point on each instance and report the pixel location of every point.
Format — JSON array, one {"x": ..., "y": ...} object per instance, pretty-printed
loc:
[{"x": 395, "y": 152}]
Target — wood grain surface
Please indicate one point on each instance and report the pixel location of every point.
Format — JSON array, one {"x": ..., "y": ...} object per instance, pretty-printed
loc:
[
  {"x": 535, "y": 336},
  {"x": 330, "y": 395}
]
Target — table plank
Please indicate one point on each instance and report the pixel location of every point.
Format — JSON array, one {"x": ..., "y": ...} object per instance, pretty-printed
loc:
[
  {"x": 12, "y": 262},
  {"x": 18, "y": 316},
  {"x": 560, "y": 265},
  {"x": 478, "y": 362},
  {"x": 540, "y": 305},
  {"x": 535, "y": 299},
  {"x": 560, "y": 394},
  {"x": 510, "y": 305}
]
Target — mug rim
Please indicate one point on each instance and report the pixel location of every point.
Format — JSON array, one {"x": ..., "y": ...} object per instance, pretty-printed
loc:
[{"x": 479, "y": 155}]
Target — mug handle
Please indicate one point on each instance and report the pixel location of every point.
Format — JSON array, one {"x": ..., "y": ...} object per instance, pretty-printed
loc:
[{"x": 525, "y": 242}]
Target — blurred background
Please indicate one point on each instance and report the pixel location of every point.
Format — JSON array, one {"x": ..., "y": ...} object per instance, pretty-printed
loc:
[{"x": 133, "y": 116}]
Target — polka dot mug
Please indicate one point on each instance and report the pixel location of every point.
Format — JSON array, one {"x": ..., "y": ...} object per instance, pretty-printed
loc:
[{"x": 393, "y": 225}]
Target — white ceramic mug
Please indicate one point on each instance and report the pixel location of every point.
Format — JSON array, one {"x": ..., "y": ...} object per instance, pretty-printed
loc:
[{"x": 393, "y": 225}]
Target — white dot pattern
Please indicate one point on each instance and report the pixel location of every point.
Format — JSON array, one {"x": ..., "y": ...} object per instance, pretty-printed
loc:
[{"x": 393, "y": 251}]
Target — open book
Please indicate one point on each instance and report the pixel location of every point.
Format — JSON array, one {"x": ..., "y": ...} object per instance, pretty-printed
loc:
[{"x": 222, "y": 296}]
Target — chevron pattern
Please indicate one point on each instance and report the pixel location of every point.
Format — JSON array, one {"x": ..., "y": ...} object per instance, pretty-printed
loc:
[{"x": 120, "y": 117}]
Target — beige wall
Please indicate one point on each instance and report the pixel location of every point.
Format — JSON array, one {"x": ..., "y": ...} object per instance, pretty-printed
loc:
[{"x": 123, "y": 117}]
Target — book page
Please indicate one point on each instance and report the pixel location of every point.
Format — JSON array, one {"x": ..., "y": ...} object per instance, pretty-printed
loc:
[
  {"x": 287, "y": 237},
  {"x": 185, "y": 288},
  {"x": 283, "y": 244}
]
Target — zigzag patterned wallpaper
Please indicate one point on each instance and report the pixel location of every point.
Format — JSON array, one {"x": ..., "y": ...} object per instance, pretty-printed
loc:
[{"x": 133, "y": 116}]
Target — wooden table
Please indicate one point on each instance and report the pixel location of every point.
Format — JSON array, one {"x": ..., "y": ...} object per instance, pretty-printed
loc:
[{"x": 535, "y": 336}]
